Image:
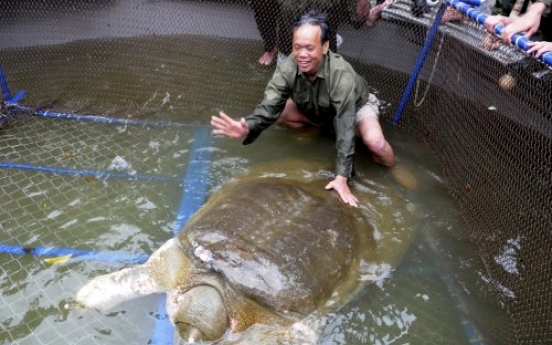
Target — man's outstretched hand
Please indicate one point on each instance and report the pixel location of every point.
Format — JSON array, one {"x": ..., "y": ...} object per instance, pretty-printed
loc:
[
  {"x": 339, "y": 184},
  {"x": 224, "y": 124}
]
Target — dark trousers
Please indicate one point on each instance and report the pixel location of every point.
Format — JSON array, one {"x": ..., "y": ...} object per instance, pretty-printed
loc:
[
  {"x": 275, "y": 22},
  {"x": 267, "y": 14}
]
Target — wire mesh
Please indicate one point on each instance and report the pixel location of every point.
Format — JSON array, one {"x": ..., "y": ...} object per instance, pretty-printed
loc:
[{"x": 162, "y": 60}]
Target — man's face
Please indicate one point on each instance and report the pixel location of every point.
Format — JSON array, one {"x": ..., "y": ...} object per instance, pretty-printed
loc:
[{"x": 308, "y": 49}]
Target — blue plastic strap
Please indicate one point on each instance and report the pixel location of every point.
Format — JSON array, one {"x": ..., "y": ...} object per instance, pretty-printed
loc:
[
  {"x": 18, "y": 96},
  {"x": 75, "y": 254},
  {"x": 196, "y": 180},
  {"x": 108, "y": 120},
  {"x": 85, "y": 172},
  {"x": 194, "y": 192}
]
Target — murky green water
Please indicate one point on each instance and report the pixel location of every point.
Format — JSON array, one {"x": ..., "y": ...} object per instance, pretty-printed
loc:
[{"x": 433, "y": 293}]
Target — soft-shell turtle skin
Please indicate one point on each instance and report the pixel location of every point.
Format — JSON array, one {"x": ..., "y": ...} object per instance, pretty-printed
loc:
[{"x": 260, "y": 256}]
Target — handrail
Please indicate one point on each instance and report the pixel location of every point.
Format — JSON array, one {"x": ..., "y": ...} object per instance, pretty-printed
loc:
[{"x": 518, "y": 39}]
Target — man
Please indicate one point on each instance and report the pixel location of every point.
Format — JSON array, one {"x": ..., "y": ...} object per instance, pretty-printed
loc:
[{"x": 315, "y": 86}]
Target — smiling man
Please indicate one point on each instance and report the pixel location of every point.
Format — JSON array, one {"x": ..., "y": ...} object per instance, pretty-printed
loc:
[{"x": 315, "y": 86}]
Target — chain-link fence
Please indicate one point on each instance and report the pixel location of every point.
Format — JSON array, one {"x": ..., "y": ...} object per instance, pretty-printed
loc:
[{"x": 87, "y": 192}]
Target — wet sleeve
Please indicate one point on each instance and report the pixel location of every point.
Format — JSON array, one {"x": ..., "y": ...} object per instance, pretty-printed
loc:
[
  {"x": 343, "y": 98},
  {"x": 267, "y": 112}
]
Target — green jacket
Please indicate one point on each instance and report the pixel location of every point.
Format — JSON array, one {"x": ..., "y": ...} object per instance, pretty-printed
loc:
[{"x": 330, "y": 101}]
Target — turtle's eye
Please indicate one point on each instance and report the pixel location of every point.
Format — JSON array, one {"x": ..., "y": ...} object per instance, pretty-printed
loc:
[{"x": 199, "y": 314}]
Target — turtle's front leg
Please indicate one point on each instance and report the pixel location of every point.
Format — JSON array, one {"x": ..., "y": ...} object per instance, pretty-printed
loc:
[{"x": 154, "y": 276}]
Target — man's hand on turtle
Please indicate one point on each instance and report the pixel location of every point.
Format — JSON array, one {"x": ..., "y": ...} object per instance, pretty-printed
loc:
[
  {"x": 223, "y": 124},
  {"x": 339, "y": 184}
]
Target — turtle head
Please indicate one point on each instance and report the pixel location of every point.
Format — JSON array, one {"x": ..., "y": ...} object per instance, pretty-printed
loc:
[{"x": 198, "y": 314}]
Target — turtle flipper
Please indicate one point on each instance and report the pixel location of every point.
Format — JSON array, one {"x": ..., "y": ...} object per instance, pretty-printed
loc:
[
  {"x": 154, "y": 276},
  {"x": 107, "y": 291}
]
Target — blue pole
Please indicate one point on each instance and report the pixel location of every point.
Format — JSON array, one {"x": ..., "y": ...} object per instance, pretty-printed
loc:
[
  {"x": 419, "y": 63},
  {"x": 6, "y": 94},
  {"x": 194, "y": 191}
]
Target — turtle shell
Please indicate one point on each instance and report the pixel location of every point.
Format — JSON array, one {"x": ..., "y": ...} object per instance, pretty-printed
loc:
[{"x": 281, "y": 243}]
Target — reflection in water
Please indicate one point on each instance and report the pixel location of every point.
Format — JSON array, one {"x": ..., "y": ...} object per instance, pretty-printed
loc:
[{"x": 392, "y": 325}]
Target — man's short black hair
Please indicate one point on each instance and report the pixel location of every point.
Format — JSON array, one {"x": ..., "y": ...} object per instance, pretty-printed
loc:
[{"x": 314, "y": 17}]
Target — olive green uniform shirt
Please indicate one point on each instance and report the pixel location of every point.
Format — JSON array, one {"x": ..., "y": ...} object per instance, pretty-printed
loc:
[{"x": 330, "y": 100}]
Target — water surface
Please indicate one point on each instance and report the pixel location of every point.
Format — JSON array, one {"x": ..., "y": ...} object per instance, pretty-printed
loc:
[{"x": 431, "y": 292}]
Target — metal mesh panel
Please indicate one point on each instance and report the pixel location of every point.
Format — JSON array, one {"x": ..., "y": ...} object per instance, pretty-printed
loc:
[
  {"x": 179, "y": 62},
  {"x": 499, "y": 170},
  {"x": 79, "y": 205}
]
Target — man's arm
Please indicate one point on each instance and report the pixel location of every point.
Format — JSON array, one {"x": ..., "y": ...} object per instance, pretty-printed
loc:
[
  {"x": 343, "y": 99},
  {"x": 267, "y": 112}
]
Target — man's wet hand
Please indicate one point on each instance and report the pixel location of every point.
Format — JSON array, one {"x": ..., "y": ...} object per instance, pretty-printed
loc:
[
  {"x": 339, "y": 184},
  {"x": 225, "y": 125}
]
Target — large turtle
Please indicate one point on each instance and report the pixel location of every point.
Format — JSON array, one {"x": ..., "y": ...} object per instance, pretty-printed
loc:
[{"x": 258, "y": 263}]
